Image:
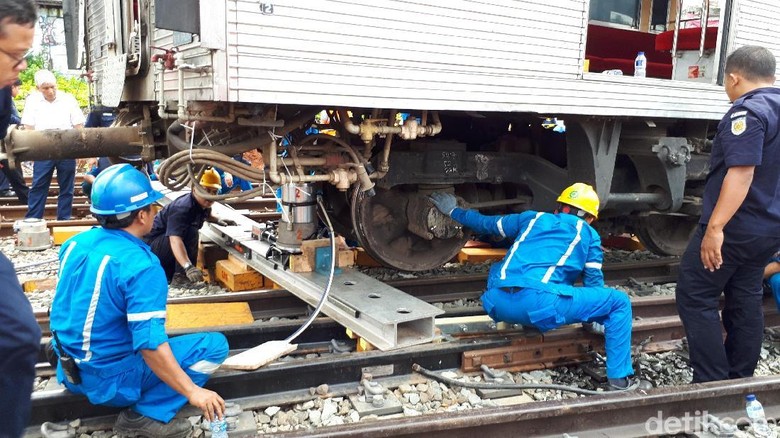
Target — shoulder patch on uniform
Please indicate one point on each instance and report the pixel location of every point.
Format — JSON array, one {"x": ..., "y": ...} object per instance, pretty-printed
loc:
[
  {"x": 738, "y": 114},
  {"x": 738, "y": 126}
]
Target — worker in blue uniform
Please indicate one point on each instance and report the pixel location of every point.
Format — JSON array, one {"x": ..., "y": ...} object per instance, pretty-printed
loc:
[
  {"x": 108, "y": 318},
  {"x": 533, "y": 284},
  {"x": 20, "y": 335},
  {"x": 772, "y": 278},
  {"x": 174, "y": 236},
  {"x": 739, "y": 228}
]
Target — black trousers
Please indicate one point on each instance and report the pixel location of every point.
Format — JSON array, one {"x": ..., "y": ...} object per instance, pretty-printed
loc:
[
  {"x": 161, "y": 246},
  {"x": 698, "y": 292},
  {"x": 17, "y": 181}
]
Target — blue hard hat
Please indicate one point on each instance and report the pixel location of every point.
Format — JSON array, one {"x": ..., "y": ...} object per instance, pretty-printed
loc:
[{"x": 121, "y": 188}]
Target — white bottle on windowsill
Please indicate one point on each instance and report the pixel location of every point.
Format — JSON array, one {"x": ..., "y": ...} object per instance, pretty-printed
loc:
[{"x": 640, "y": 65}]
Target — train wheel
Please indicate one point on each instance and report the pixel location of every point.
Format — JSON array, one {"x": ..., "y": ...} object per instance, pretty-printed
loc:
[
  {"x": 401, "y": 229},
  {"x": 666, "y": 234}
]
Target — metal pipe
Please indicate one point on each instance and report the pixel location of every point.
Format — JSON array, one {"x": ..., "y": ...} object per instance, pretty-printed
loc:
[
  {"x": 636, "y": 198},
  {"x": 705, "y": 17},
  {"x": 27, "y": 145},
  {"x": 676, "y": 35}
]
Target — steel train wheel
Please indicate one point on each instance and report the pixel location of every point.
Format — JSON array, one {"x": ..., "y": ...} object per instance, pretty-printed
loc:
[
  {"x": 381, "y": 225},
  {"x": 665, "y": 234}
]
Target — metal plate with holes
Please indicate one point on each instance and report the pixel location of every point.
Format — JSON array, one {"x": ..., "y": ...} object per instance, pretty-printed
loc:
[
  {"x": 382, "y": 315},
  {"x": 112, "y": 81}
]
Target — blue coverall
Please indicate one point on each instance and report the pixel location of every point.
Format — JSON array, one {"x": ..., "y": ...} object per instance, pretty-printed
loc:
[
  {"x": 532, "y": 285},
  {"x": 109, "y": 305},
  {"x": 774, "y": 282}
]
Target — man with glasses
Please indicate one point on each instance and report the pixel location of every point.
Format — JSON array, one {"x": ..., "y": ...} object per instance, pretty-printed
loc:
[
  {"x": 174, "y": 236},
  {"x": 20, "y": 335}
]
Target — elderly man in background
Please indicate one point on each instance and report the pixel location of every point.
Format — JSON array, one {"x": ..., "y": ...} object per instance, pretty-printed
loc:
[
  {"x": 20, "y": 335},
  {"x": 51, "y": 109}
]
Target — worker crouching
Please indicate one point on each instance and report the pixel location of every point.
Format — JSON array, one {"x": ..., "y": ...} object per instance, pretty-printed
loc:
[
  {"x": 533, "y": 284},
  {"x": 174, "y": 237},
  {"x": 108, "y": 318}
]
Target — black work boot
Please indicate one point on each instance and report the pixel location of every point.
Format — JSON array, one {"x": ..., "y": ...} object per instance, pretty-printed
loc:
[
  {"x": 132, "y": 424},
  {"x": 622, "y": 384}
]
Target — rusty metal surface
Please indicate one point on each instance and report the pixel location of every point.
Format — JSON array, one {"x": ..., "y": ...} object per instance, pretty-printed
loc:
[{"x": 28, "y": 145}]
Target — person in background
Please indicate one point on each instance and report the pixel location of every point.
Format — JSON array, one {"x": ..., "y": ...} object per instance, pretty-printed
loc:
[
  {"x": 739, "y": 228},
  {"x": 12, "y": 180},
  {"x": 174, "y": 237},
  {"x": 44, "y": 110},
  {"x": 20, "y": 335},
  {"x": 108, "y": 319},
  {"x": 229, "y": 182},
  {"x": 772, "y": 278},
  {"x": 101, "y": 164},
  {"x": 533, "y": 284}
]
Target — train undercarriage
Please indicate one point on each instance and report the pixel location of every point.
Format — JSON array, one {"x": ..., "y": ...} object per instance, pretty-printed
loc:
[{"x": 376, "y": 168}]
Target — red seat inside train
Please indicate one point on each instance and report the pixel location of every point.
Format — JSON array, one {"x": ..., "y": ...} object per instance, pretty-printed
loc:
[
  {"x": 610, "y": 48},
  {"x": 689, "y": 39}
]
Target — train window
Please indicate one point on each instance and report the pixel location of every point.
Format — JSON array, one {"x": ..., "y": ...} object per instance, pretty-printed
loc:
[
  {"x": 620, "y": 12},
  {"x": 659, "y": 15}
]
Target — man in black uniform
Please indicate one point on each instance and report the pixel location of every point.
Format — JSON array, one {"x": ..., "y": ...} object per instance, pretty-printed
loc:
[
  {"x": 174, "y": 235},
  {"x": 739, "y": 229},
  {"x": 20, "y": 335}
]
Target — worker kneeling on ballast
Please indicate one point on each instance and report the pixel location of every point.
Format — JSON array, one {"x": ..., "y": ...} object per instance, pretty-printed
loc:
[
  {"x": 533, "y": 284},
  {"x": 108, "y": 318}
]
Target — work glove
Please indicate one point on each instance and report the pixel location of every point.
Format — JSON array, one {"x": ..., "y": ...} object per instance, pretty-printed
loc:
[
  {"x": 194, "y": 274},
  {"x": 594, "y": 327},
  {"x": 445, "y": 202},
  {"x": 226, "y": 222}
]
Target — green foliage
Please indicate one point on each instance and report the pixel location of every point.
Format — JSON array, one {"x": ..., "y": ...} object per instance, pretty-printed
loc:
[{"x": 73, "y": 85}]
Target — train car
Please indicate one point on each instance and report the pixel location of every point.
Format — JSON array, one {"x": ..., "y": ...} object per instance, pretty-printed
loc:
[{"x": 378, "y": 103}]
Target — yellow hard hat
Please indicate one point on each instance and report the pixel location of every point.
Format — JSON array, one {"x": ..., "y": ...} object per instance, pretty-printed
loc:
[
  {"x": 582, "y": 196},
  {"x": 210, "y": 179}
]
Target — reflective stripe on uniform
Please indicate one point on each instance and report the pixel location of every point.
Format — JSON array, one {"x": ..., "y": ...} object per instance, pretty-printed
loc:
[
  {"x": 145, "y": 316},
  {"x": 593, "y": 265},
  {"x": 87, "y": 332},
  {"x": 565, "y": 255},
  {"x": 65, "y": 256},
  {"x": 517, "y": 244},
  {"x": 501, "y": 227},
  {"x": 204, "y": 367}
]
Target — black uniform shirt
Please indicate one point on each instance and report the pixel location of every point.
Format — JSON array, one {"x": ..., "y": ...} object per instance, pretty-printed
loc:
[
  {"x": 749, "y": 135},
  {"x": 179, "y": 218}
]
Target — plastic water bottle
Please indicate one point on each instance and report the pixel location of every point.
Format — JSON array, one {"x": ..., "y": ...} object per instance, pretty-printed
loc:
[
  {"x": 640, "y": 65},
  {"x": 219, "y": 428},
  {"x": 755, "y": 413}
]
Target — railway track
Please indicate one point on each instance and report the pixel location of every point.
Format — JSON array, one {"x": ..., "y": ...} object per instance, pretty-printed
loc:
[{"x": 466, "y": 343}]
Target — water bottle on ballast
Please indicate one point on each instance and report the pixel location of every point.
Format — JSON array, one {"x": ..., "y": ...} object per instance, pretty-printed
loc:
[
  {"x": 219, "y": 428},
  {"x": 640, "y": 65},
  {"x": 755, "y": 413}
]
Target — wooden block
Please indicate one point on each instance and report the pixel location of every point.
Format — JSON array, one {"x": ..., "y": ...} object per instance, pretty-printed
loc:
[
  {"x": 625, "y": 242},
  {"x": 184, "y": 316},
  {"x": 479, "y": 255},
  {"x": 363, "y": 259},
  {"x": 240, "y": 262},
  {"x": 305, "y": 261},
  {"x": 61, "y": 234},
  {"x": 49, "y": 283},
  {"x": 236, "y": 279},
  {"x": 256, "y": 357}
]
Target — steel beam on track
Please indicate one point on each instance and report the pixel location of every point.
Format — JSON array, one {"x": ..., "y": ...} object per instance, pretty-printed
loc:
[{"x": 382, "y": 315}]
